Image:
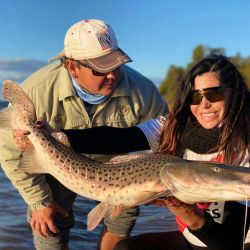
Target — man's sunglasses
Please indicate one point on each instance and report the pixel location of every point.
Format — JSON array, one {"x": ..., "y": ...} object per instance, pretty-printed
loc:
[
  {"x": 94, "y": 72},
  {"x": 213, "y": 94}
]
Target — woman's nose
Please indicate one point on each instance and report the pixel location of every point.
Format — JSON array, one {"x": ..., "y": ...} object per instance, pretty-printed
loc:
[{"x": 205, "y": 102}]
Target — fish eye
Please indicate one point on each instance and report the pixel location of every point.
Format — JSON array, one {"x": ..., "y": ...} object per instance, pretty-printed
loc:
[{"x": 216, "y": 169}]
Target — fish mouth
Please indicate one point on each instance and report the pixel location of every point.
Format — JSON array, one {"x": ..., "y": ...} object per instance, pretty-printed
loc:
[{"x": 210, "y": 193}]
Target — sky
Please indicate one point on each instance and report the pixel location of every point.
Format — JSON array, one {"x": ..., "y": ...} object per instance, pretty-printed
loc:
[{"x": 155, "y": 34}]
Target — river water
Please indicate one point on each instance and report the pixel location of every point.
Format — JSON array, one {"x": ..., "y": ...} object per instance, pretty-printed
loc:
[{"x": 15, "y": 232}]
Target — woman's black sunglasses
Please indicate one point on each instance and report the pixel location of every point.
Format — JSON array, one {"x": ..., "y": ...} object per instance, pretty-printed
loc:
[{"x": 213, "y": 94}]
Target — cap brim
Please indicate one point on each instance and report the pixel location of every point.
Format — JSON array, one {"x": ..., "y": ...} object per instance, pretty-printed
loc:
[
  {"x": 59, "y": 56},
  {"x": 109, "y": 62}
]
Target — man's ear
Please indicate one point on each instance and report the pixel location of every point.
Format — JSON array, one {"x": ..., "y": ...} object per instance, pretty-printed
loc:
[{"x": 72, "y": 67}]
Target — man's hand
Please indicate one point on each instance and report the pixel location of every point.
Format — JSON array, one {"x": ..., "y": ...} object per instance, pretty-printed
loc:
[
  {"x": 21, "y": 139},
  {"x": 42, "y": 221}
]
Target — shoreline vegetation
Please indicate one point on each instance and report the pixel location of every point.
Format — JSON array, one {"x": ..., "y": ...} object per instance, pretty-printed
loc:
[{"x": 169, "y": 86}]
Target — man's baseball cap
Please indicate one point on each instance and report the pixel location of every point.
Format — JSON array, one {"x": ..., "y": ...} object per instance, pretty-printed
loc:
[{"x": 93, "y": 42}]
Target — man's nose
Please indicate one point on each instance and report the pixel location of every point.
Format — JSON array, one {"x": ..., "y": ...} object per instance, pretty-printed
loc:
[{"x": 113, "y": 74}]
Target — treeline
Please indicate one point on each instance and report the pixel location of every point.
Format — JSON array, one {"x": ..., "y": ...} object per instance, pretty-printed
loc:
[{"x": 171, "y": 83}]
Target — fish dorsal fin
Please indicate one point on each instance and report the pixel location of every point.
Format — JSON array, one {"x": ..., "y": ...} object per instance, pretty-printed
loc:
[
  {"x": 96, "y": 215},
  {"x": 33, "y": 162},
  {"x": 124, "y": 158},
  {"x": 61, "y": 137}
]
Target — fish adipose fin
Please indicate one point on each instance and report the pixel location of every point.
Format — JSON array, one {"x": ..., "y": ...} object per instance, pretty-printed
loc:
[{"x": 33, "y": 162}]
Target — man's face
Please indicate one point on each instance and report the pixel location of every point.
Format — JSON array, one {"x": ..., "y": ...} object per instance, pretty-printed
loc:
[{"x": 95, "y": 84}]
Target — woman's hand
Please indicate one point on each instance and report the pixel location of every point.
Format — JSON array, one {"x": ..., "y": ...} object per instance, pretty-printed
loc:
[{"x": 190, "y": 214}]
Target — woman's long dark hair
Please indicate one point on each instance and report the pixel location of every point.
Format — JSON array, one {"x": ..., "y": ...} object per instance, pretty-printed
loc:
[{"x": 235, "y": 129}]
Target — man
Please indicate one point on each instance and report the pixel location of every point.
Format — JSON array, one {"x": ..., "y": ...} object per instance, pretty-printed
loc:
[{"x": 89, "y": 87}]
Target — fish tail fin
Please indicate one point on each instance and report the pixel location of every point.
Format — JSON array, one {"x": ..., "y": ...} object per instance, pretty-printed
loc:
[
  {"x": 5, "y": 118},
  {"x": 21, "y": 103},
  {"x": 33, "y": 162},
  {"x": 13, "y": 93}
]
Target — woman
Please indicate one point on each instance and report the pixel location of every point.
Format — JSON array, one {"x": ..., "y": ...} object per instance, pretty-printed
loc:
[{"x": 210, "y": 120}]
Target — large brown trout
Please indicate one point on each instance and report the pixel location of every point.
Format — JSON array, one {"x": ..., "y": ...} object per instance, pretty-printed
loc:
[{"x": 131, "y": 180}]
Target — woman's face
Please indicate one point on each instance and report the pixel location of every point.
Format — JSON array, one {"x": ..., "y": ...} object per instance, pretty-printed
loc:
[{"x": 208, "y": 114}]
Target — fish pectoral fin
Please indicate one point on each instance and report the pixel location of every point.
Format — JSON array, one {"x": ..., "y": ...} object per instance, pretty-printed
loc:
[
  {"x": 61, "y": 137},
  {"x": 96, "y": 215},
  {"x": 149, "y": 196},
  {"x": 32, "y": 162}
]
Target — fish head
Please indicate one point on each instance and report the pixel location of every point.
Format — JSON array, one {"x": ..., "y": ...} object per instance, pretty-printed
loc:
[{"x": 194, "y": 181}]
